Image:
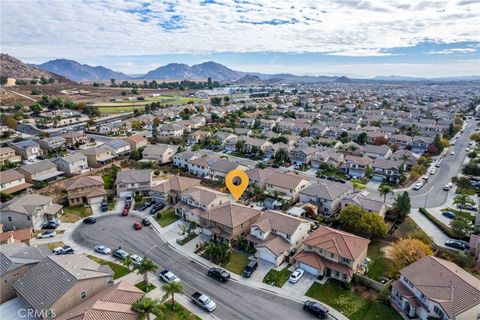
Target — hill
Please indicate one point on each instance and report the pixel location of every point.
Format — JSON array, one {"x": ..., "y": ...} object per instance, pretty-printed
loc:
[{"x": 81, "y": 72}]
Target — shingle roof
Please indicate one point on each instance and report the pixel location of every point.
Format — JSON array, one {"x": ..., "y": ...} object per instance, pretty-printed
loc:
[
  {"x": 74, "y": 157},
  {"x": 26, "y": 204},
  {"x": 14, "y": 256},
  {"x": 285, "y": 180},
  {"x": 223, "y": 166},
  {"x": 278, "y": 221},
  {"x": 177, "y": 183},
  {"x": 231, "y": 215},
  {"x": 39, "y": 166},
  {"x": 10, "y": 175},
  {"x": 203, "y": 195},
  {"x": 326, "y": 190},
  {"x": 134, "y": 176}
]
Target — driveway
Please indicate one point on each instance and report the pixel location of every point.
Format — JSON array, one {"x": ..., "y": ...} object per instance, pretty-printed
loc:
[
  {"x": 426, "y": 225},
  {"x": 302, "y": 286},
  {"x": 261, "y": 272}
]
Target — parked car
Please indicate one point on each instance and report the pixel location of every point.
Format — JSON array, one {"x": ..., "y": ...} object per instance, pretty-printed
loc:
[
  {"x": 418, "y": 186},
  {"x": 47, "y": 234},
  {"x": 63, "y": 250},
  {"x": 470, "y": 207},
  {"x": 348, "y": 177},
  {"x": 316, "y": 309},
  {"x": 249, "y": 269},
  {"x": 144, "y": 206},
  {"x": 136, "y": 259},
  {"x": 51, "y": 224},
  {"x": 128, "y": 199},
  {"x": 448, "y": 186},
  {"x": 452, "y": 153},
  {"x": 137, "y": 226},
  {"x": 437, "y": 165},
  {"x": 125, "y": 212},
  {"x": 102, "y": 249},
  {"x": 456, "y": 244},
  {"x": 120, "y": 254},
  {"x": 146, "y": 222},
  {"x": 168, "y": 276},
  {"x": 340, "y": 180},
  {"x": 433, "y": 171},
  {"x": 156, "y": 208},
  {"x": 219, "y": 274},
  {"x": 127, "y": 205},
  {"x": 203, "y": 301},
  {"x": 296, "y": 275},
  {"x": 89, "y": 220},
  {"x": 104, "y": 205},
  {"x": 448, "y": 214}
]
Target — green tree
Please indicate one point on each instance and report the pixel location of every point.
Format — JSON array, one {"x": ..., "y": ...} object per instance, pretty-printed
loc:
[
  {"x": 344, "y": 137},
  {"x": 4, "y": 197},
  {"x": 171, "y": 289},
  {"x": 358, "y": 185},
  {"x": 475, "y": 137},
  {"x": 362, "y": 138},
  {"x": 358, "y": 220},
  {"x": 147, "y": 306},
  {"x": 10, "y": 121},
  {"x": 462, "y": 200},
  {"x": 128, "y": 262},
  {"x": 460, "y": 226},
  {"x": 3, "y": 79},
  {"x": 384, "y": 191},
  {"x": 216, "y": 101},
  {"x": 281, "y": 155},
  {"x": 402, "y": 205},
  {"x": 304, "y": 133},
  {"x": 144, "y": 267},
  {"x": 239, "y": 145},
  {"x": 36, "y": 92}
]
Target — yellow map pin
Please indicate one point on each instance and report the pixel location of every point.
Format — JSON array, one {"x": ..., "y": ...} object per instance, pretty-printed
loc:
[{"x": 236, "y": 181}]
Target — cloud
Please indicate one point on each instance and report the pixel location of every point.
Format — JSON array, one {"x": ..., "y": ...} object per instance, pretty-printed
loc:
[{"x": 453, "y": 50}]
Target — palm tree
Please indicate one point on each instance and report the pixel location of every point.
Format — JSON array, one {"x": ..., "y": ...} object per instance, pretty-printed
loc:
[
  {"x": 462, "y": 199},
  {"x": 144, "y": 268},
  {"x": 146, "y": 306},
  {"x": 384, "y": 190},
  {"x": 170, "y": 289},
  {"x": 128, "y": 262}
]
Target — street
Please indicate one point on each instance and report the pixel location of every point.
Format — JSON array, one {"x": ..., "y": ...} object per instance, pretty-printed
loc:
[{"x": 234, "y": 300}]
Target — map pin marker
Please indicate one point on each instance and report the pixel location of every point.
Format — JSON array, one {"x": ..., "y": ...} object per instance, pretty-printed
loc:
[{"x": 237, "y": 182}]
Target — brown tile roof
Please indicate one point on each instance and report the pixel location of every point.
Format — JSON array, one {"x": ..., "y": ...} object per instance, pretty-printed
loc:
[
  {"x": 177, "y": 183},
  {"x": 344, "y": 244},
  {"x": 318, "y": 262},
  {"x": 10, "y": 175},
  {"x": 231, "y": 215},
  {"x": 204, "y": 195},
  {"x": 285, "y": 180},
  {"x": 84, "y": 182},
  {"x": 278, "y": 221},
  {"x": 21, "y": 235},
  {"x": 136, "y": 138},
  {"x": 444, "y": 282},
  {"x": 276, "y": 244},
  {"x": 259, "y": 174}
]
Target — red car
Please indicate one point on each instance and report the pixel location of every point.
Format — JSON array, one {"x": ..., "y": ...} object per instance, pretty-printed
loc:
[
  {"x": 125, "y": 212},
  {"x": 137, "y": 226}
]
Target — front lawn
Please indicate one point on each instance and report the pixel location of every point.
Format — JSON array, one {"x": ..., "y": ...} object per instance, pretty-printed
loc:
[
  {"x": 54, "y": 245},
  {"x": 142, "y": 286},
  {"x": 238, "y": 262},
  {"x": 75, "y": 213},
  {"x": 353, "y": 305},
  {"x": 379, "y": 265},
  {"x": 179, "y": 313},
  {"x": 277, "y": 278},
  {"x": 466, "y": 214},
  {"x": 118, "y": 270},
  {"x": 166, "y": 217}
]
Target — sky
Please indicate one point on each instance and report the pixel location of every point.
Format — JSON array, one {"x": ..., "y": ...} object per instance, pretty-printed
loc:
[{"x": 318, "y": 37}]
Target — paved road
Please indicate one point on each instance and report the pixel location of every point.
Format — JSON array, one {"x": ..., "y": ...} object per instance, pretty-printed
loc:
[{"x": 234, "y": 301}]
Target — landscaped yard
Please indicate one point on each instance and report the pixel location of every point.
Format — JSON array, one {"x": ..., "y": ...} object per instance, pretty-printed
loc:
[
  {"x": 54, "y": 245},
  {"x": 277, "y": 278},
  {"x": 73, "y": 214},
  {"x": 118, "y": 270},
  {"x": 238, "y": 262},
  {"x": 379, "y": 265},
  {"x": 466, "y": 214},
  {"x": 408, "y": 228},
  {"x": 179, "y": 313},
  {"x": 142, "y": 286},
  {"x": 351, "y": 304},
  {"x": 166, "y": 217}
]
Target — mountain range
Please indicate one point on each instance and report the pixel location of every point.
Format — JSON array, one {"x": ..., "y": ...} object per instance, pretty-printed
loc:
[
  {"x": 81, "y": 72},
  {"x": 14, "y": 68}
]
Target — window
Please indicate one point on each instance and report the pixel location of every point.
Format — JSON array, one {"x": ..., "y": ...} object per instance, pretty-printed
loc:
[
  {"x": 332, "y": 255},
  {"x": 337, "y": 274},
  {"x": 28, "y": 218},
  {"x": 438, "y": 311},
  {"x": 288, "y": 236},
  {"x": 83, "y": 295},
  {"x": 10, "y": 219},
  {"x": 423, "y": 297}
]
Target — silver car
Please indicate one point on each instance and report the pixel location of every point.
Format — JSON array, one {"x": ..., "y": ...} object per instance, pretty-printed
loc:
[{"x": 102, "y": 249}]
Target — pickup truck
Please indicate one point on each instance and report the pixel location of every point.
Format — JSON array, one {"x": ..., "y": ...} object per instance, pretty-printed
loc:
[
  {"x": 203, "y": 301},
  {"x": 168, "y": 276}
]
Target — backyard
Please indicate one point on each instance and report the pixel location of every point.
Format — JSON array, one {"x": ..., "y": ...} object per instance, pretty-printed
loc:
[
  {"x": 277, "y": 278},
  {"x": 75, "y": 213},
  {"x": 379, "y": 265},
  {"x": 354, "y": 305},
  {"x": 166, "y": 217},
  {"x": 118, "y": 270}
]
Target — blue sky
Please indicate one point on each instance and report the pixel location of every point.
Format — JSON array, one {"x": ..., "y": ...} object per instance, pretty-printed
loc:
[{"x": 343, "y": 37}]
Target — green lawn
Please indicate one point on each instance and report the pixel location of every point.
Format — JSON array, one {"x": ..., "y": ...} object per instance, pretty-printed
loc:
[
  {"x": 277, "y": 278},
  {"x": 238, "y": 262},
  {"x": 379, "y": 265},
  {"x": 179, "y": 313},
  {"x": 466, "y": 214},
  {"x": 351, "y": 304},
  {"x": 129, "y": 106},
  {"x": 166, "y": 217},
  {"x": 118, "y": 270},
  {"x": 142, "y": 286},
  {"x": 75, "y": 213},
  {"x": 409, "y": 228}
]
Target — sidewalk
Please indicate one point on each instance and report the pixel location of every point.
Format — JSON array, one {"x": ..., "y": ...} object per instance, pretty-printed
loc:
[{"x": 426, "y": 225}]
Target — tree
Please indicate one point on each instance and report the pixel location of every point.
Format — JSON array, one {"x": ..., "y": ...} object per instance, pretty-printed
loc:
[
  {"x": 304, "y": 133},
  {"x": 215, "y": 101},
  {"x": 218, "y": 252},
  {"x": 402, "y": 206},
  {"x": 135, "y": 91},
  {"x": 358, "y": 220},
  {"x": 3, "y": 79},
  {"x": 358, "y": 185},
  {"x": 10, "y": 122},
  {"x": 344, "y": 137},
  {"x": 406, "y": 251},
  {"x": 4, "y": 197},
  {"x": 384, "y": 190},
  {"x": 362, "y": 138},
  {"x": 170, "y": 289},
  {"x": 36, "y": 92},
  {"x": 462, "y": 200},
  {"x": 128, "y": 262},
  {"x": 239, "y": 145},
  {"x": 460, "y": 226},
  {"x": 475, "y": 137},
  {"x": 281, "y": 155},
  {"x": 368, "y": 171},
  {"x": 144, "y": 267},
  {"x": 146, "y": 306}
]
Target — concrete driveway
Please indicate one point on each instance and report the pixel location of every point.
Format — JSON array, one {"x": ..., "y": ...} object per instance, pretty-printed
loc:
[
  {"x": 302, "y": 286},
  {"x": 262, "y": 270}
]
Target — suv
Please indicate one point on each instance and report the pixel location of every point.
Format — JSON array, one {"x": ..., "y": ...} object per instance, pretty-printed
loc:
[
  {"x": 104, "y": 205},
  {"x": 249, "y": 269},
  {"x": 219, "y": 274},
  {"x": 457, "y": 244},
  {"x": 128, "y": 199},
  {"x": 120, "y": 254},
  {"x": 316, "y": 308},
  {"x": 156, "y": 208},
  {"x": 63, "y": 250},
  {"x": 89, "y": 220},
  {"x": 448, "y": 186}
]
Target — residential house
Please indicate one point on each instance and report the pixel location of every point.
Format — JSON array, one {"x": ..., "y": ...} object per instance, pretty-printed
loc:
[
  {"x": 197, "y": 136},
  {"x": 246, "y": 122},
  {"x": 136, "y": 141},
  {"x": 197, "y": 200},
  {"x": 224, "y": 138},
  {"x": 258, "y": 177},
  {"x": 420, "y": 144},
  {"x": 254, "y": 145},
  {"x": 286, "y": 185},
  {"x": 229, "y": 221},
  {"x": 327, "y": 156},
  {"x": 182, "y": 159},
  {"x": 170, "y": 191},
  {"x": 302, "y": 155},
  {"x": 374, "y": 152},
  {"x": 242, "y": 131},
  {"x": 272, "y": 150},
  {"x": 75, "y": 163},
  {"x": 326, "y": 195},
  {"x": 17, "y": 259},
  {"x": 275, "y": 235},
  {"x": 28, "y": 211},
  {"x": 120, "y": 147},
  {"x": 86, "y": 189},
  {"x": 28, "y": 150},
  {"x": 74, "y": 140},
  {"x": 318, "y": 130},
  {"x": 113, "y": 303},
  {"x": 221, "y": 167},
  {"x": 99, "y": 156},
  {"x": 332, "y": 253},
  {"x": 353, "y": 148},
  {"x": 433, "y": 288},
  {"x": 266, "y": 124},
  {"x": 52, "y": 143},
  {"x": 387, "y": 170},
  {"x": 76, "y": 278},
  {"x": 114, "y": 128},
  {"x": 362, "y": 200},
  {"x": 170, "y": 130},
  {"x": 39, "y": 172},
  {"x": 402, "y": 140},
  {"x": 133, "y": 182},
  {"x": 406, "y": 157},
  {"x": 160, "y": 153},
  {"x": 356, "y": 166},
  {"x": 8, "y": 155},
  {"x": 12, "y": 181},
  {"x": 200, "y": 167}
]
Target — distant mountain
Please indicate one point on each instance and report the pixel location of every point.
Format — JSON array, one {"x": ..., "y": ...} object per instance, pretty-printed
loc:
[
  {"x": 250, "y": 79},
  {"x": 171, "y": 71},
  {"x": 81, "y": 72},
  {"x": 178, "y": 71},
  {"x": 398, "y": 78},
  {"x": 216, "y": 71},
  {"x": 343, "y": 79},
  {"x": 14, "y": 68}
]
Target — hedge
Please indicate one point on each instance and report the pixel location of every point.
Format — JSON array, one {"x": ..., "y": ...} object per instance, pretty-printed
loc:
[{"x": 442, "y": 226}]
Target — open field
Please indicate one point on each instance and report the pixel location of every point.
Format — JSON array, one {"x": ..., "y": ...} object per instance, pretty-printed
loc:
[{"x": 129, "y": 106}]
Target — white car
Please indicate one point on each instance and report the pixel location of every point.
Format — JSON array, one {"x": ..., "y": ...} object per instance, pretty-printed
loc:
[
  {"x": 296, "y": 275},
  {"x": 136, "y": 259},
  {"x": 452, "y": 152},
  {"x": 47, "y": 234},
  {"x": 448, "y": 186},
  {"x": 102, "y": 249},
  {"x": 168, "y": 276},
  {"x": 418, "y": 186},
  {"x": 468, "y": 149},
  {"x": 433, "y": 171}
]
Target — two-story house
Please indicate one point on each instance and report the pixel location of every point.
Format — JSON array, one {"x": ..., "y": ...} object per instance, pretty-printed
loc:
[
  {"x": 160, "y": 153},
  {"x": 197, "y": 200},
  {"x": 170, "y": 191},
  {"x": 286, "y": 185},
  {"x": 197, "y": 136},
  {"x": 327, "y": 156},
  {"x": 28, "y": 150},
  {"x": 50, "y": 144},
  {"x": 170, "y": 130},
  {"x": 275, "y": 235},
  {"x": 326, "y": 195},
  {"x": 387, "y": 170},
  {"x": 86, "y": 189},
  {"x": 200, "y": 167},
  {"x": 8, "y": 155},
  {"x": 433, "y": 288},
  {"x": 41, "y": 171},
  {"x": 74, "y": 140},
  {"x": 258, "y": 177},
  {"x": 402, "y": 140},
  {"x": 182, "y": 159},
  {"x": 332, "y": 253},
  {"x": 99, "y": 156},
  {"x": 362, "y": 200},
  {"x": 121, "y": 148},
  {"x": 28, "y": 211},
  {"x": 133, "y": 182},
  {"x": 302, "y": 155},
  {"x": 420, "y": 144},
  {"x": 356, "y": 166},
  {"x": 136, "y": 141},
  {"x": 75, "y": 163},
  {"x": 221, "y": 167},
  {"x": 374, "y": 151},
  {"x": 12, "y": 181}
]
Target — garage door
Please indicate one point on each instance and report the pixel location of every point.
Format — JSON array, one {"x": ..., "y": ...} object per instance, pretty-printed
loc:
[
  {"x": 308, "y": 269},
  {"x": 266, "y": 255},
  {"x": 96, "y": 200}
]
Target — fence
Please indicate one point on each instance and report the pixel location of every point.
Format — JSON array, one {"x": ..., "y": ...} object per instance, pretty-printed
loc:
[{"x": 370, "y": 283}]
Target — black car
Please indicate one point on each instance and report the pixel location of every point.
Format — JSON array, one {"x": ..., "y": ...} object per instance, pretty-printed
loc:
[
  {"x": 331, "y": 178},
  {"x": 156, "y": 208},
  {"x": 146, "y": 222},
  {"x": 50, "y": 225},
  {"x": 144, "y": 206},
  {"x": 219, "y": 274},
  {"x": 457, "y": 244},
  {"x": 316, "y": 308},
  {"x": 89, "y": 220},
  {"x": 249, "y": 269},
  {"x": 104, "y": 205},
  {"x": 340, "y": 180}
]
